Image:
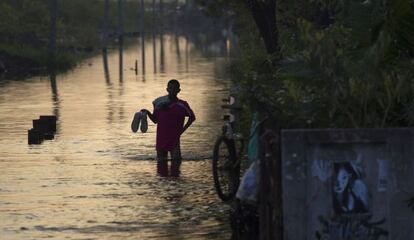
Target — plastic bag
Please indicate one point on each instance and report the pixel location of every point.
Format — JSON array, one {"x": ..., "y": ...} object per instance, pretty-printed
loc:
[
  {"x": 253, "y": 147},
  {"x": 249, "y": 186},
  {"x": 161, "y": 101}
]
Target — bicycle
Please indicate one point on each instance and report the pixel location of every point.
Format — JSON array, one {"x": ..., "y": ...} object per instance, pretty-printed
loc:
[{"x": 226, "y": 158}]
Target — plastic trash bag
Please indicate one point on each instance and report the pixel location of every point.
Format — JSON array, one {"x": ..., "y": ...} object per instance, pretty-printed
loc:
[
  {"x": 253, "y": 147},
  {"x": 249, "y": 186},
  {"x": 161, "y": 101}
]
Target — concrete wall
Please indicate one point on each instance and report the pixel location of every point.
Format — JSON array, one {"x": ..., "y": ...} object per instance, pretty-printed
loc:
[{"x": 348, "y": 184}]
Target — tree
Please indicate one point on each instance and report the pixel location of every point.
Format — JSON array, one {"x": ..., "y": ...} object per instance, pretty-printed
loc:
[{"x": 264, "y": 14}]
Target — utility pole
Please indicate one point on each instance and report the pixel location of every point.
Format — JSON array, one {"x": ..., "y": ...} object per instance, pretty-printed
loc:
[
  {"x": 105, "y": 41},
  {"x": 161, "y": 9},
  {"x": 176, "y": 37},
  {"x": 162, "y": 55},
  {"x": 120, "y": 21},
  {"x": 52, "y": 37},
  {"x": 105, "y": 23},
  {"x": 154, "y": 45},
  {"x": 142, "y": 16},
  {"x": 142, "y": 28}
]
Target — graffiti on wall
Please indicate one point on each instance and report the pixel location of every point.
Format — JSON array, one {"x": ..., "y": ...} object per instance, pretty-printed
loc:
[
  {"x": 351, "y": 214},
  {"x": 350, "y": 193},
  {"x": 350, "y": 228}
]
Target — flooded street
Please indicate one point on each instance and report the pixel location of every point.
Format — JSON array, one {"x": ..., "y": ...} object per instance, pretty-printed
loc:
[{"x": 96, "y": 179}]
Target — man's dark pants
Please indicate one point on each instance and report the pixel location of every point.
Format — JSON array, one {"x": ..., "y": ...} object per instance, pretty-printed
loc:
[{"x": 162, "y": 162}]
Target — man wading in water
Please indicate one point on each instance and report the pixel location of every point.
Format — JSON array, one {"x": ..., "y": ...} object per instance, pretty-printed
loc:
[{"x": 169, "y": 115}]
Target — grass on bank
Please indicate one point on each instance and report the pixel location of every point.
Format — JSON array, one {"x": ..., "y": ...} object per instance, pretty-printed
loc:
[{"x": 23, "y": 58}]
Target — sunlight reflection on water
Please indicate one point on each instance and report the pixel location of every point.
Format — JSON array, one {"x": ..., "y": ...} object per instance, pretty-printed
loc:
[{"x": 96, "y": 180}]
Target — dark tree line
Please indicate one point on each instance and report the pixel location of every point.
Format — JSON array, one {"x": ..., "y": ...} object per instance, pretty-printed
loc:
[
  {"x": 326, "y": 63},
  {"x": 323, "y": 63}
]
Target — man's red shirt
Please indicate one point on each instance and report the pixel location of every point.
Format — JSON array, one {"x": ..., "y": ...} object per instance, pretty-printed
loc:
[{"x": 170, "y": 121}]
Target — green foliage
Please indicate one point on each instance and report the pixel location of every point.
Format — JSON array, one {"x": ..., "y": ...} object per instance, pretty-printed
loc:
[
  {"x": 25, "y": 26},
  {"x": 410, "y": 202},
  {"x": 72, "y": 25},
  {"x": 363, "y": 62},
  {"x": 216, "y": 8},
  {"x": 33, "y": 18},
  {"x": 39, "y": 58},
  {"x": 23, "y": 23},
  {"x": 8, "y": 19},
  {"x": 341, "y": 64}
]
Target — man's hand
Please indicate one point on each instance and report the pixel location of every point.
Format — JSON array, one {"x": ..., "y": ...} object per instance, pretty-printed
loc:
[
  {"x": 189, "y": 122},
  {"x": 150, "y": 115}
]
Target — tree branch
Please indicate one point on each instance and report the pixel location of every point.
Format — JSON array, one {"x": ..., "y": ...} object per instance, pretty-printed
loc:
[{"x": 264, "y": 14}]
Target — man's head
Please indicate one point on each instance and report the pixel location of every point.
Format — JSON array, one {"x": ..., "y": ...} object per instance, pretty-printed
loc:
[{"x": 173, "y": 88}]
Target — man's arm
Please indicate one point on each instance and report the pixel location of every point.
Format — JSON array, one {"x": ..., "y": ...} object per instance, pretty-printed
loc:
[
  {"x": 190, "y": 120},
  {"x": 150, "y": 115},
  {"x": 190, "y": 115}
]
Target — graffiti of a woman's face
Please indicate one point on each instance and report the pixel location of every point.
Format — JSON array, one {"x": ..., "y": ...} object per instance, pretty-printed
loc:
[{"x": 342, "y": 180}]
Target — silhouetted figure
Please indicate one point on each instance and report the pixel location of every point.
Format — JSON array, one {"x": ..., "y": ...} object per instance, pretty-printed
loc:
[{"x": 169, "y": 115}]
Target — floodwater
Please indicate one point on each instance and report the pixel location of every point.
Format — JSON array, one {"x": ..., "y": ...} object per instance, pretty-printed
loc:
[{"x": 96, "y": 179}]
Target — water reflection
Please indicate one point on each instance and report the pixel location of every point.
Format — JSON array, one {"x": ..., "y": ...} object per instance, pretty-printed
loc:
[
  {"x": 121, "y": 60},
  {"x": 143, "y": 55},
  {"x": 105, "y": 66},
  {"x": 162, "y": 55},
  {"x": 177, "y": 47},
  {"x": 55, "y": 99},
  {"x": 161, "y": 36},
  {"x": 173, "y": 58},
  {"x": 186, "y": 53},
  {"x": 96, "y": 180}
]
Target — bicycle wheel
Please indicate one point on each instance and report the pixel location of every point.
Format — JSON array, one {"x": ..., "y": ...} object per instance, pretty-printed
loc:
[{"x": 225, "y": 171}]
